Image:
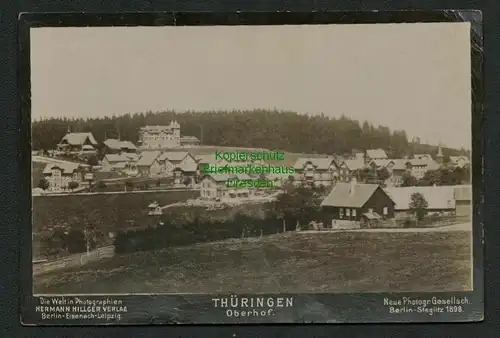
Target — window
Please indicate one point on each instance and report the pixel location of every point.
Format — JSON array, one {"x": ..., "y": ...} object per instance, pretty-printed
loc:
[
  {"x": 341, "y": 212},
  {"x": 348, "y": 212},
  {"x": 353, "y": 212},
  {"x": 386, "y": 211},
  {"x": 370, "y": 210}
]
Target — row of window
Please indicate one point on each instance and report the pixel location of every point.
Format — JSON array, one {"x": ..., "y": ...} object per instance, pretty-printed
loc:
[
  {"x": 209, "y": 193},
  {"x": 352, "y": 212},
  {"x": 167, "y": 137}
]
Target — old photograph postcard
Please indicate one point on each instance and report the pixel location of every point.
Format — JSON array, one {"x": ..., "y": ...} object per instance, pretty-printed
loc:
[{"x": 253, "y": 169}]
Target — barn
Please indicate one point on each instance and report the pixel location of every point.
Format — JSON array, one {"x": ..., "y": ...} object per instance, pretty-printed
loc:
[
  {"x": 352, "y": 201},
  {"x": 463, "y": 200},
  {"x": 440, "y": 199}
]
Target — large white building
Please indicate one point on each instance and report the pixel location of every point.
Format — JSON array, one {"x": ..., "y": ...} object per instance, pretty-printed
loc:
[
  {"x": 155, "y": 137},
  {"x": 60, "y": 175},
  {"x": 161, "y": 137}
]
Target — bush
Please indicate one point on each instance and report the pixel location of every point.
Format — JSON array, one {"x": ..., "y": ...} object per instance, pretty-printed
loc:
[
  {"x": 43, "y": 184},
  {"x": 193, "y": 231},
  {"x": 75, "y": 241}
]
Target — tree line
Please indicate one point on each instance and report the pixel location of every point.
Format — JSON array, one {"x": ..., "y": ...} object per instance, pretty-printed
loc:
[{"x": 259, "y": 128}]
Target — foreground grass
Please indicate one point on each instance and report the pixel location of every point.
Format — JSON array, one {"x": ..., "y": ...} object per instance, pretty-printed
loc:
[{"x": 295, "y": 263}]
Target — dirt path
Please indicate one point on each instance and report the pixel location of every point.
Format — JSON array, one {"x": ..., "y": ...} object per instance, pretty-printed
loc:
[
  {"x": 454, "y": 227},
  {"x": 74, "y": 260}
]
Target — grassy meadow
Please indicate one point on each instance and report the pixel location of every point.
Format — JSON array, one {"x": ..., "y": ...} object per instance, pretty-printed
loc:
[{"x": 339, "y": 262}]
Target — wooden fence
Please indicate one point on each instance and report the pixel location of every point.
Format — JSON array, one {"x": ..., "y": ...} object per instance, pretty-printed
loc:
[{"x": 74, "y": 260}]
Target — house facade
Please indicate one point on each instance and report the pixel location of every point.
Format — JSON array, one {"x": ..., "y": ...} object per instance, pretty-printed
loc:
[
  {"x": 419, "y": 167},
  {"x": 166, "y": 136},
  {"x": 157, "y": 137},
  {"x": 351, "y": 201},
  {"x": 398, "y": 168},
  {"x": 59, "y": 176},
  {"x": 177, "y": 159},
  {"x": 189, "y": 141},
  {"x": 154, "y": 209},
  {"x": 124, "y": 162},
  {"x": 214, "y": 186},
  {"x": 185, "y": 173},
  {"x": 463, "y": 200},
  {"x": 375, "y": 154},
  {"x": 349, "y": 169},
  {"x": 440, "y": 200},
  {"x": 316, "y": 171},
  {"x": 114, "y": 146},
  {"x": 422, "y": 156},
  {"x": 459, "y": 161},
  {"x": 148, "y": 164},
  {"x": 111, "y": 161},
  {"x": 77, "y": 142}
]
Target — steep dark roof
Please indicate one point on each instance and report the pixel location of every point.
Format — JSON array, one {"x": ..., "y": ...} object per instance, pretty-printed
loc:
[
  {"x": 321, "y": 163},
  {"x": 350, "y": 195}
]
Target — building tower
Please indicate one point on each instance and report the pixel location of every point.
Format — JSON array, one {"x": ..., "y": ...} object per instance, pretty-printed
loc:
[
  {"x": 439, "y": 156},
  {"x": 176, "y": 133}
]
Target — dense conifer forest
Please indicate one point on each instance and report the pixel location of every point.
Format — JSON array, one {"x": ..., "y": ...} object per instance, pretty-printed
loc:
[{"x": 258, "y": 128}]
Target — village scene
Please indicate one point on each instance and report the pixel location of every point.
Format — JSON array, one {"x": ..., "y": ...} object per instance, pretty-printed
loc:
[
  {"x": 372, "y": 133},
  {"x": 327, "y": 193},
  {"x": 163, "y": 159}
]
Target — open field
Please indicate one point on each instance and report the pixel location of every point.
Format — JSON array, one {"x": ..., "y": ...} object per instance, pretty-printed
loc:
[
  {"x": 108, "y": 212},
  {"x": 333, "y": 262}
]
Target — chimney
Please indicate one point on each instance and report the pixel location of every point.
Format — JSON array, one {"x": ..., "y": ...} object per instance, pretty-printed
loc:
[{"x": 353, "y": 186}]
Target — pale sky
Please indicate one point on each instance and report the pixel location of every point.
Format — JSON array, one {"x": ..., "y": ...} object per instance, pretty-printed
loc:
[{"x": 414, "y": 77}]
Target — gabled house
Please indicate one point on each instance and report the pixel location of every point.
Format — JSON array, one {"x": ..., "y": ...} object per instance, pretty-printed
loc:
[
  {"x": 154, "y": 209},
  {"x": 77, "y": 142},
  {"x": 110, "y": 162},
  {"x": 189, "y": 141},
  {"x": 422, "y": 157},
  {"x": 440, "y": 199},
  {"x": 420, "y": 166},
  {"x": 124, "y": 162},
  {"x": 375, "y": 154},
  {"x": 114, "y": 146},
  {"x": 397, "y": 169},
  {"x": 214, "y": 186},
  {"x": 463, "y": 200},
  {"x": 371, "y": 173},
  {"x": 148, "y": 164},
  {"x": 357, "y": 155},
  {"x": 349, "y": 169},
  {"x": 186, "y": 171},
  {"x": 351, "y": 201},
  {"x": 318, "y": 171},
  {"x": 60, "y": 175},
  {"x": 171, "y": 160},
  {"x": 459, "y": 161}
]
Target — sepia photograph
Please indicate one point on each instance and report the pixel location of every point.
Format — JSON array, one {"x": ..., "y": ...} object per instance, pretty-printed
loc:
[{"x": 256, "y": 160}]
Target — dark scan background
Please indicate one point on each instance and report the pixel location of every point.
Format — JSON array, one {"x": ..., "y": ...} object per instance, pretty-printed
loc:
[{"x": 10, "y": 246}]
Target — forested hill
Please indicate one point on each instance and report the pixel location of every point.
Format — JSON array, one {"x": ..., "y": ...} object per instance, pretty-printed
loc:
[{"x": 288, "y": 131}]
